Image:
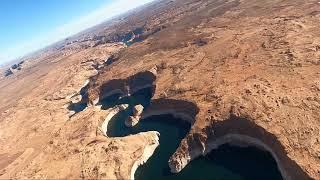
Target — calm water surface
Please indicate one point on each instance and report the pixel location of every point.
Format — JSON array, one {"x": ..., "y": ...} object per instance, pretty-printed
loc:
[{"x": 225, "y": 163}]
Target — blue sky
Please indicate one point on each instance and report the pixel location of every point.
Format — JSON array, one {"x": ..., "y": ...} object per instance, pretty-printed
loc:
[{"x": 28, "y": 25}]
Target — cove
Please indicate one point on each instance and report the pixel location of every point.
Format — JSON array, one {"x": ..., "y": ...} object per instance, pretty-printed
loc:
[
  {"x": 133, "y": 37},
  {"x": 225, "y": 163},
  {"x": 80, "y": 106}
]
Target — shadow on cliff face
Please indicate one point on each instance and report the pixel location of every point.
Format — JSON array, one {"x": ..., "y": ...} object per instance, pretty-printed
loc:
[
  {"x": 138, "y": 34},
  {"x": 142, "y": 96},
  {"x": 249, "y": 162},
  {"x": 156, "y": 108},
  {"x": 171, "y": 118},
  {"x": 172, "y": 129},
  {"x": 181, "y": 109},
  {"x": 127, "y": 87},
  {"x": 128, "y": 37},
  {"x": 242, "y": 132},
  {"x": 79, "y": 106},
  {"x": 232, "y": 163},
  {"x": 113, "y": 87},
  {"x": 141, "y": 80}
]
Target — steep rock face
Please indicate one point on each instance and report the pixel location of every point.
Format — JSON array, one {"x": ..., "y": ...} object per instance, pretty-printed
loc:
[
  {"x": 125, "y": 87},
  {"x": 239, "y": 132},
  {"x": 185, "y": 110}
]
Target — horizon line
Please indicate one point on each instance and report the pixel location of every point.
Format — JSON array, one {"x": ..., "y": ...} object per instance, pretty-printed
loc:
[{"x": 72, "y": 28}]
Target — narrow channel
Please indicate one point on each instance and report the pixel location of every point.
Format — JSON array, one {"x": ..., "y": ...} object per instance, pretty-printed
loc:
[{"x": 226, "y": 163}]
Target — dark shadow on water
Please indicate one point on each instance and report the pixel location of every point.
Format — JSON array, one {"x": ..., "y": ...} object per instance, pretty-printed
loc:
[
  {"x": 249, "y": 162},
  {"x": 245, "y": 126},
  {"x": 142, "y": 97},
  {"x": 228, "y": 163},
  {"x": 77, "y": 107},
  {"x": 225, "y": 163},
  {"x": 137, "y": 32},
  {"x": 116, "y": 126},
  {"x": 110, "y": 101},
  {"x": 80, "y": 106}
]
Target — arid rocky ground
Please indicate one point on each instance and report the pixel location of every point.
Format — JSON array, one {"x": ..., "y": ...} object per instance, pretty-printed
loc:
[{"x": 245, "y": 70}]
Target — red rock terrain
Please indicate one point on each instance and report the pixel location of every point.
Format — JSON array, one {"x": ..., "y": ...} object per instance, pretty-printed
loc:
[{"x": 244, "y": 72}]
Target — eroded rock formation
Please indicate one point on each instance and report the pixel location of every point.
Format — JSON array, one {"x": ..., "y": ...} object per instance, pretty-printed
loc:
[
  {"x": 13, "y": 69},
  {"x": 239, "y": 132},
  {"x": 134, "y": 119},
  {"x": 125, "y": 87}
]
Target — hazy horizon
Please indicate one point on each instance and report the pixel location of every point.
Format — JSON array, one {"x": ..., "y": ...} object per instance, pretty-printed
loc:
[{"x": 49, "y": 22}]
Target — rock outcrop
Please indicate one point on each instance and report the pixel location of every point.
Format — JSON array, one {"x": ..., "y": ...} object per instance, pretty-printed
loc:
[
  {"x": 134, "y": 120},
  {"x": 137, "y": 110},
  {"x": 13, "y": 69}
]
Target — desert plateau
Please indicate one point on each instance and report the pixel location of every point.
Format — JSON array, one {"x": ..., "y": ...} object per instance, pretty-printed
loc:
[{"x": 174, "y": 89}]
